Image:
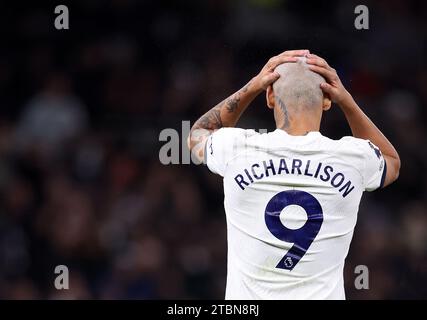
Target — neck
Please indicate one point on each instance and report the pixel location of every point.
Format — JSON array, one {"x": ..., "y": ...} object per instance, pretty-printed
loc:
[
  {"x": 298, "y": 131},
  {"x": 297, "y": 126}
]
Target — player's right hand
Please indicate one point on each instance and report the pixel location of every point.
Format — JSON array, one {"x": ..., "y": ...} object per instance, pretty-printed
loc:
[
  {"x": 267, "y": 76},
  {"x": 333, "y": 86}
]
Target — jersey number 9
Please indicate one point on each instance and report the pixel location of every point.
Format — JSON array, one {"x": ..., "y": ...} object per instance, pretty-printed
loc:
[{"x": 302, "y": 237}]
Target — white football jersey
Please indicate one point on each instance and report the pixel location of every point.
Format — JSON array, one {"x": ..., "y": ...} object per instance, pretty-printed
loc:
[{"x": 291, "y": 204}]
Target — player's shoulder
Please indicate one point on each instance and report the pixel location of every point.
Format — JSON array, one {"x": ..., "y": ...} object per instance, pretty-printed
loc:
[
  {"x": 229, "y": 133},
  {"x": 355, "y": 146},
  {"x": 354, "y": 142}
]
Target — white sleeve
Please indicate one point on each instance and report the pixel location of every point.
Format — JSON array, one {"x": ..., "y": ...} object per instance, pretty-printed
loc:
[
  {"x": 221, "y": 146},
  {"x": 374, "y": 166}
]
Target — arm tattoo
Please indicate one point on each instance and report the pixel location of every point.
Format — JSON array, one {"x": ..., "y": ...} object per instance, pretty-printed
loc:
[
  {"x": 285, "y": 112},
  {"x": 231, "y": 108},
  {"x": 233, "y": 103},
  {"x": 211, "y": 120},
  {"x": 245, "y": 88}
]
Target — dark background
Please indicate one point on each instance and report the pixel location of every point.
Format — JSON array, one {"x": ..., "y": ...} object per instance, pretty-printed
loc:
[{"x": 81, "y": 111}]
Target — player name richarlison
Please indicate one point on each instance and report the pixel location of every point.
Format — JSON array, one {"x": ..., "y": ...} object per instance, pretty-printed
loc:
[{"x": 325, "y": 173}]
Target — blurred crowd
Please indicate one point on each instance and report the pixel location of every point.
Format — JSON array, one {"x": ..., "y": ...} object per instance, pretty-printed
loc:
[{"x": 81, "y": 183}]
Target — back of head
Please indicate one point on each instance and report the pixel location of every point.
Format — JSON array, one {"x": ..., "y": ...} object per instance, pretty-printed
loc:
[{"x": 298, "y": 87}]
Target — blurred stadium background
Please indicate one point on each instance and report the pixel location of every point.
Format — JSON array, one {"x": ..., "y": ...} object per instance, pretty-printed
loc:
[{"x": 81, "y": 111}]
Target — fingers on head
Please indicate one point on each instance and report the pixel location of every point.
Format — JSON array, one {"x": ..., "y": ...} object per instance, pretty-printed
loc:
[
  {"x": 325, "y": 86},
  {"x": 318, "y": 62},
  {"x": 277, "y": 60},
  {"x": 315, "y": 59},
  {"x": 299, "y": 52},
  {"x": 328, "y": 74}
]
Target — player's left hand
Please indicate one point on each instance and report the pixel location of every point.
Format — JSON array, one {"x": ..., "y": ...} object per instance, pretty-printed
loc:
[
  {"x": 333, "y": 85},
  {"x": 267, "y": 76}
]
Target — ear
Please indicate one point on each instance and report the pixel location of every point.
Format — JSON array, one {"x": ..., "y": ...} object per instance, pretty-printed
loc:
[
  {"x": 327, "y": 103},
  {"x": 270, "y": 97}
]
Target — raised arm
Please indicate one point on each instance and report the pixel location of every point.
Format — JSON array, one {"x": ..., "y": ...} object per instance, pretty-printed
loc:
[
  {"x": 228, "y": 112},
  {"x": 360, "y": 124}
]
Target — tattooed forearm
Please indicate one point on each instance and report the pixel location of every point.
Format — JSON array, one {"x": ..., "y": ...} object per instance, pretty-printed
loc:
[
  {"x": 233, "y": 103},
  {"x": 211, "y": 120},
  {"x": 224, "y": 114},
  {"x": 245, "y": 88},
  {"x": 227, "y": 112},
  {"x": 285, "y": 113}
]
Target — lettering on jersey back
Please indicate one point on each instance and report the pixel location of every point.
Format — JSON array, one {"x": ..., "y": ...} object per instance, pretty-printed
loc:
[{"x": 269, "y": 168}]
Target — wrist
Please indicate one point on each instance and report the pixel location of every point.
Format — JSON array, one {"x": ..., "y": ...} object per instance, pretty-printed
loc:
[
  {"x": 347, "y": 102},
  {"x": 254, "y": 86}
]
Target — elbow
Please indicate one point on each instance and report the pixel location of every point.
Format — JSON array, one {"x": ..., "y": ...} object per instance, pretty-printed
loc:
[
  {"x": 189, "y": 141},
  {"x": 192, "y": 139},
  {"x": 396, "y": 167},
  {"x": 398, "y": 163}
]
